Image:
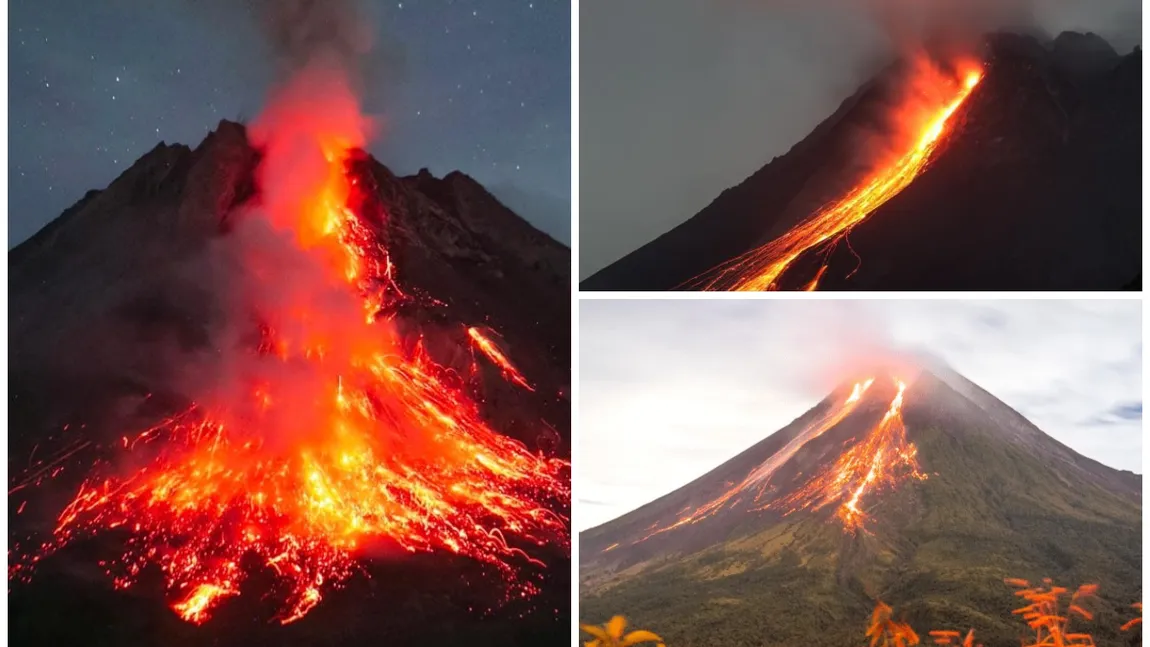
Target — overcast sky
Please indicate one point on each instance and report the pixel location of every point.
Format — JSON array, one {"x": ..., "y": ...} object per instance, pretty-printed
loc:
[
  {"x": 671, "y": 389},
  {"x": 681, "y": 99}
]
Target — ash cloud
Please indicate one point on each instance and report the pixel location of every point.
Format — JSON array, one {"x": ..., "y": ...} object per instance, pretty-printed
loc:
[
  {"x": 187, "y": 332},
  {"x": 343, "y": 36},
  {"x": 910, "y": 24},
  {"x": 304, "y": 32}
]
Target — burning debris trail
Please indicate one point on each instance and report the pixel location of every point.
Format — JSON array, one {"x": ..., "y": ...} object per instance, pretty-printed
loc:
[
  {"x": 761, "y": 268},
  {"x": 882, "y": 459},
  {"x": 488, "y": 348},
  {"x": 755, "y": 484},
  {"x": 331, "y": 433}
]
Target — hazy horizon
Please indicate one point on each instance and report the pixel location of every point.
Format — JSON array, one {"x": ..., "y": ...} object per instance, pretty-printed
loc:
[{"x": 662, "y": 404}]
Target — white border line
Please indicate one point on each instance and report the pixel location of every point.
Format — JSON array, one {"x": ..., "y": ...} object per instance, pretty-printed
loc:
[
  {"x": 574, "y": 390},
  {"x": 7, "y": 211},
  {"x": 849, "y": 296}
]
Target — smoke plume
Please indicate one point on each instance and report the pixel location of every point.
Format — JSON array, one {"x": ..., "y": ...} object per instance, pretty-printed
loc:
[
  {"x": 914, "y": 24},
  {"x": 347, "y": 36},
  {"x": 308, "y": 32}
]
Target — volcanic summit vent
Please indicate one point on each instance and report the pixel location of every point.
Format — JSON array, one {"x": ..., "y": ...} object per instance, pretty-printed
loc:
[
  {"x": 255, "y": 375},
  {"x": 907, "y": 484}
]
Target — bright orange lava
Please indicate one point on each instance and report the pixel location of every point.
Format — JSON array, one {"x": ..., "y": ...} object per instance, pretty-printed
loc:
[
  {"x": 340, "y": 437},
  {"x": 760, "y": 268},
  {"x": 754, "y": 486},
  {"x": 488, "y": 347},
  {"x": 881, "y": 459}
]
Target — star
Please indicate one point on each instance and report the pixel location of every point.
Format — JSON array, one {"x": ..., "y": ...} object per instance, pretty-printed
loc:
[{"x": 61, "y": 98}]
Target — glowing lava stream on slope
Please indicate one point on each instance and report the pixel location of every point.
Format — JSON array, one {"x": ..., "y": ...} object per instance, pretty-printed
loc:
[
  {"x": 335, "y": 435},
  {"x": 756, "y": 482},
  {"x": 760, "y": 268},
  {"x": 488, "y": 348},
  {"x": 882, "y": 458}
]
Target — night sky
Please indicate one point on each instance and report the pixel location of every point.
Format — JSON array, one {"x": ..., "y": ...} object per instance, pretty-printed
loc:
[{"x": 482, "y": 87}]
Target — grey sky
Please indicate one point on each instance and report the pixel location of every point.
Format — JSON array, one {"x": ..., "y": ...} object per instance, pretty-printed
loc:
[
  {"x": 681, "y": 99},
  {"x": 671, "y": 389}
]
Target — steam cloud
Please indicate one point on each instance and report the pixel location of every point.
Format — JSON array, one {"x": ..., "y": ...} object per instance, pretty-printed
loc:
[
  {"x": 269, "y": 266},
  {"x": 310, "y": 32},
  {"x": 911, "y": 24},
  {"x": 737, "y": 82},
  {"x": 958, "y": 22},
  {"x": 341, "y": 35}
]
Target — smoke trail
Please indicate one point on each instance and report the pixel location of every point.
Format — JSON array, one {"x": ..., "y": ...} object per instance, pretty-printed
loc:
[
  {"x": 912, "y": 24},
  {"x": 347, "y": 36},
  {"x": 951, "y": 23}
]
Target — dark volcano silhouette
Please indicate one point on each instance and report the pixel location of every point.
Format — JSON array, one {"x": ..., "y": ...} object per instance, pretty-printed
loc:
[
  {"x": 1000, "y": 499},
  {"x": 1036, "y": 188},
  {"x": 106, "y": 300}
]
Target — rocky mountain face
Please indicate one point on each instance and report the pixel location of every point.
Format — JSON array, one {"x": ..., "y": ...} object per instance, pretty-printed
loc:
[
  {"x": 1036, "y": 188},
  {"x": 998, "y": 498},
  {"x": 110, "y": 298}
]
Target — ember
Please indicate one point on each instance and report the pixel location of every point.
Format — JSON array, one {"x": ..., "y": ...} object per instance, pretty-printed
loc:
[
  {"x": 492, "y": 351},
  {"x": 882, "y": 458},
  {"x": 339, "y": 436},
  {"x": 760, "y": 268}
]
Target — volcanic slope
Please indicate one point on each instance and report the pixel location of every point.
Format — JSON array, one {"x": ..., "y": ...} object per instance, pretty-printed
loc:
[
  {"x": 793, "y": 540},
  {"x": 1035, "y": 185},
  {"x": 109, "y": 299}
]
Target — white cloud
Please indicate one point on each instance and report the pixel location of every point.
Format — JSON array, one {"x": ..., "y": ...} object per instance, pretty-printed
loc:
[{"x": 669, "y": 389}]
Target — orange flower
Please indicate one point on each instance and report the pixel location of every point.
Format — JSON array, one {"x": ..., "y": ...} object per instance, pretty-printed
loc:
[
  {"x": 886, "y": 631},
  {"x": 1043, "y": 615},
  {"x": 951, "y": 638},
  {"x": 611, "y": 635},
  {"x": 1136, "y": 621}
]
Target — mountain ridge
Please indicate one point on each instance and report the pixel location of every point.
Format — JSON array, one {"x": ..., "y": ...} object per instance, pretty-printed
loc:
[
  {"x": 1041, "y": 109},
  {"x": 992, "y": 503},
  {"x": 110, "y": 300}
]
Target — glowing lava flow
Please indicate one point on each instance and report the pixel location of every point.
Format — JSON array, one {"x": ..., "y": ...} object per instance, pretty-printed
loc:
[
  {"x": 493, "y": 353},
  {"x": 340, "y": 437},
  {"x": 756, "y": 482},
  {"x": 760, "y": 268},
  {"x": 881, "y": 459}
]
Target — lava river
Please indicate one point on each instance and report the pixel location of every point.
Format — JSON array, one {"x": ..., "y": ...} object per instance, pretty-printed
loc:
[
  {"x": 925, "y": 127},
  {"x": 333, "y": 432},
  {"x": 880, "y": 459}
]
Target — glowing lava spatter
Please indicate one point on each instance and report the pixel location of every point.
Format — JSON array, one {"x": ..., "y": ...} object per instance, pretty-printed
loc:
[
  {"x": 488, "y": 347},
  {"x": 760, "y": 268},
  {"x": 881, "y": 459},
  {"x": 341, "y": 436},
  {"x": 754, "y": 486}
]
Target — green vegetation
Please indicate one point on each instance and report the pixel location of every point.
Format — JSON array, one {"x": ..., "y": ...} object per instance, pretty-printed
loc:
[
  {"x": 1047, "y": 624},
  {"x": 936, "y": 549}
]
